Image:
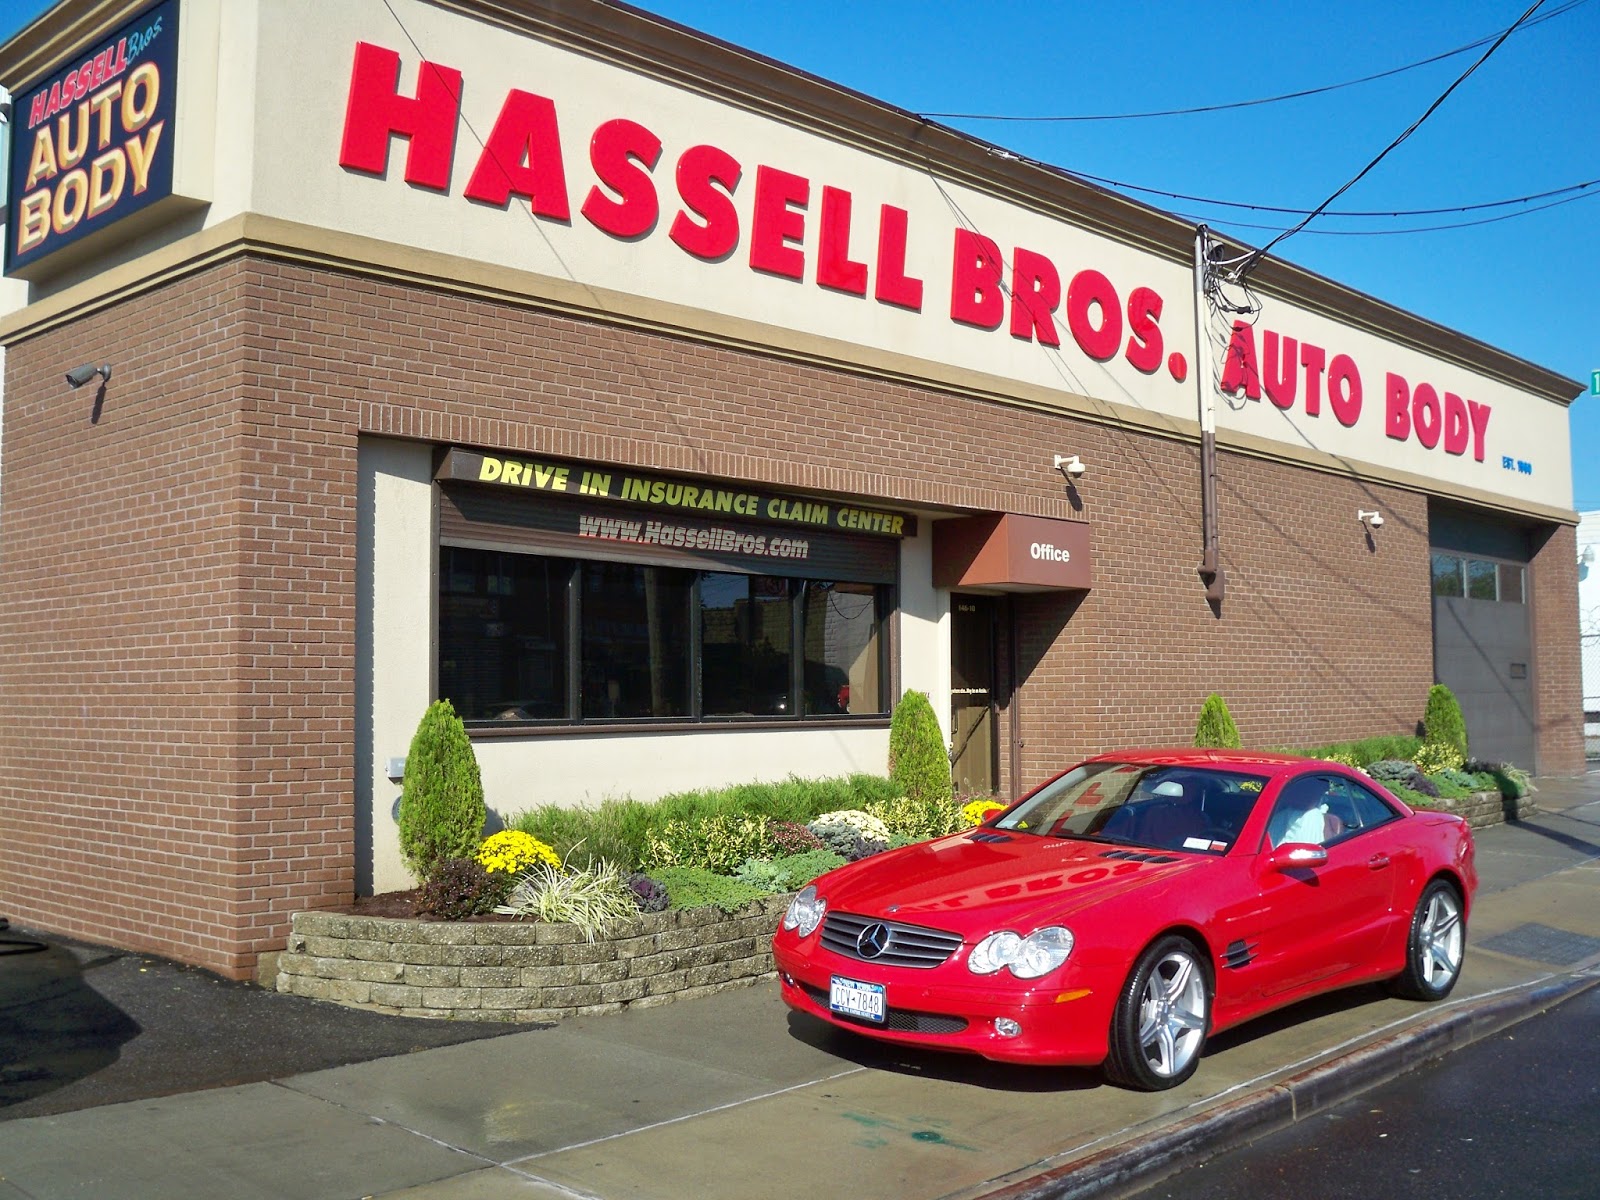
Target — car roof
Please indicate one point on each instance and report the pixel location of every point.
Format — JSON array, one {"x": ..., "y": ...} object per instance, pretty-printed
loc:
[{"x": 1256, "y": 761}]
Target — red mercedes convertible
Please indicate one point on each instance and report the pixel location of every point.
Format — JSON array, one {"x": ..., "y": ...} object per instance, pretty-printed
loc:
[{"x": 1132, "y": 906}]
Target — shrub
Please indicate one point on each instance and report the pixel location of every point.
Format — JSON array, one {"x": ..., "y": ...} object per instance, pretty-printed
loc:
[
  {"x": 1399, "y": 776},
  {"x": 1513, "y": 782},
  {"x": 860, "y": 823},
  {"x": 648, "y": 894},
  {"x": 791, "y": 837},
  {"x": 850, "y": 845},
  {"x": 789, "y": 873},
  {"x": 459, "y": 888},
  {"x": 1392, "y": 770},
  {"x": 511, "y": 851},
  {"x": 976, "y": 812},
  {"x": 1215, "y": 727},
  {"x": 691, "y": 887},
  {"x": 1448, "y": 784},
  {"x": 1433, "y": 757},
  {"x": 1414, "y": 798},
  {"x": 594, "y": 899},
  {"x": 1365, "y": 751},
  {"x": 441, "y": 800},
  {"x": 918, "y": 760},
  {"x": 1343, "y": 757},
  {"x": 916, "y": 819},
  {"x": 717, "y": 843},
  {"x": 1442, "y": 720}
]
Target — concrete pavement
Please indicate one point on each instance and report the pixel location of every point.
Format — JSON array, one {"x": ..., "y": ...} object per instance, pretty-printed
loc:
[{"x": 732, "y": 1096}]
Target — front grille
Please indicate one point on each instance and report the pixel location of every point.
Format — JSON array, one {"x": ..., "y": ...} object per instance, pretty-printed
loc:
[
  {"x": 901, "y": 1020},
  {"x": 908, "y": 945}
]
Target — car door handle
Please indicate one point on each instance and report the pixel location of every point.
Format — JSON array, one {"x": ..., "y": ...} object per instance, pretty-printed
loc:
[{"x": 1378, "y": 862}]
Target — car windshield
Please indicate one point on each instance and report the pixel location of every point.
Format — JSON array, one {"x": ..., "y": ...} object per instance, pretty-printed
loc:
[{"x": 1200, "y": 809}]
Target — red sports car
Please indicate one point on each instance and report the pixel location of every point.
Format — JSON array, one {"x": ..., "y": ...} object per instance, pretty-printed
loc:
[{"x": 1132, "y": 906}]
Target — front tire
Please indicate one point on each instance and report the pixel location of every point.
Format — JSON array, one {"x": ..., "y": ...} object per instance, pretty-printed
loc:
[
  {"x": 1435, "y": 947},
  {"x": 1162, "y": 1017}
]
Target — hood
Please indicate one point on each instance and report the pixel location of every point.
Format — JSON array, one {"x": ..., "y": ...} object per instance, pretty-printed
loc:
[{"x": 980, "y": 880}]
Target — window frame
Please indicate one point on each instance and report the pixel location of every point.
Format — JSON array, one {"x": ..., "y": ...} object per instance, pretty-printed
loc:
[{"x": 885, "y": 599}]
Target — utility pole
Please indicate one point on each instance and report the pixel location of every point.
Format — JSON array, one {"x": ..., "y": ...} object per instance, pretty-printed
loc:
[{"x": 1205, "y": 394}]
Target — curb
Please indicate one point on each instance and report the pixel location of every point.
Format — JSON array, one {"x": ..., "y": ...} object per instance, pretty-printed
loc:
[{"x": 1133, "y": 1165}]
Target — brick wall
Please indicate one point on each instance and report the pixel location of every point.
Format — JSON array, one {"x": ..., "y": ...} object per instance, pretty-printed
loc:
[
  {"x": 1558, "y": 679},
  {"x": 176, "y": 628},
  {"x": 177, "y": 601}
]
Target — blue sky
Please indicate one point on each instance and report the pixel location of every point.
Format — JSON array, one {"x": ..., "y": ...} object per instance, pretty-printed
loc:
[{"x": 1527, "y": 121}]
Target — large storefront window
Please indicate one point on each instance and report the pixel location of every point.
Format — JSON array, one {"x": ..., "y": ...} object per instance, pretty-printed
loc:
[
  {"x": 653, "y": 643},
  {"x": 503, "y": 635},
  {"x": 746, "y": 646},
  {"x": 635, "y": 646}
]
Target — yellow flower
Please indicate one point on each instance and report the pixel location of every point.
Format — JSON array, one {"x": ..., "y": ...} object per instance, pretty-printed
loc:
[
  {"x": 511, "y": 850},
  {"x": 976, "y": 812}
]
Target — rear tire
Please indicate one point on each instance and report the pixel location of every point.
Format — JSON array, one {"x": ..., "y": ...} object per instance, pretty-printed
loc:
[
  {"x": 1162, "y": 1018},
  {"x": 1435, "y": 946}
]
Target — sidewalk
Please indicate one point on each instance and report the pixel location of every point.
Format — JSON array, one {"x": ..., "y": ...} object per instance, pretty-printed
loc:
[{"x": 731, "y": 1096}]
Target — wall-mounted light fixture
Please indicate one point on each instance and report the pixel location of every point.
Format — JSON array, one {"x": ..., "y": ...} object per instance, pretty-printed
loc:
[
  {"x": 79, "y": 376},
  {"x": 1071, "y": 466},
  {"x": 1372, "y": 520}
]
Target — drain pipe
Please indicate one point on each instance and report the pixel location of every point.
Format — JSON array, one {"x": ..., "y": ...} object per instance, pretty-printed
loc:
[{"x": 1210, "y": 564}]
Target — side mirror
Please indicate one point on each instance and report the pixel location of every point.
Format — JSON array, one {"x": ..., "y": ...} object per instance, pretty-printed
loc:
[{"x": 1293, "y": 856}]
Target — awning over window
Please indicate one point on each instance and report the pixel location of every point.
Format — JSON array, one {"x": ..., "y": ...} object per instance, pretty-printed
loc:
[{"x": 1010, "y": 552}]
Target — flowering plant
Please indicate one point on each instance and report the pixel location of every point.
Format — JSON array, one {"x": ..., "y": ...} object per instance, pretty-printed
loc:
[
  {"x": 862, "y": 824},
  {"x": 976, "y": 812},
  {"x": 513, "y": 851}
]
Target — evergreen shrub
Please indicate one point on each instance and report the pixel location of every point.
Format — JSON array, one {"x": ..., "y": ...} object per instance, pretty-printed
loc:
[
  {"x": 918, "y": 760},
  {"x": 1215, "y": 728},
  {"x": 441, "y": 800},
  {"x": 692, "y": 887},
  {"x": 1442, "y": 721}
]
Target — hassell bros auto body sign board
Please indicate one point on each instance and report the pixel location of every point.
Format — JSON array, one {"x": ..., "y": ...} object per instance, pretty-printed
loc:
[
  {"x": 93, "y": 141},
  {"x": 578, "y": 180}
]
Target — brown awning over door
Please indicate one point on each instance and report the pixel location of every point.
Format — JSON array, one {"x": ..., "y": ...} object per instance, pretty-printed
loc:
[{"x": 1010, "y": 552}]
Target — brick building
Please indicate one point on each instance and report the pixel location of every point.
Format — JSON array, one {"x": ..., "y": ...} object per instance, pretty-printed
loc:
[{"x": 671, "y": 412}]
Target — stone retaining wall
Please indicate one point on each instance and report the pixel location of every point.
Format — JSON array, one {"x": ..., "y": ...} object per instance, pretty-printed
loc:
[
  {"x": 1482, "y": 809},
  {"x": 525, "y": 971}
]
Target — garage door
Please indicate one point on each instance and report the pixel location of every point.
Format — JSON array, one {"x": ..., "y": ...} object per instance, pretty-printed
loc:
[{"x": 1483, "y": 652}]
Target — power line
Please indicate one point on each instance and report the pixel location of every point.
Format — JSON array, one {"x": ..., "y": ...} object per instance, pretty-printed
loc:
[
  {"x": 1332, "y": 212},
  {"x": 1237, "y": 104},
  {"x": 1394, "y": 232},
  {"x": 1254, "y": 260}
]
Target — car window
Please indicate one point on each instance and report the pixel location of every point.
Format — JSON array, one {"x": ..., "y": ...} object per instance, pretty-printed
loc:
[
  {"x": 1305, "y": 812},
  {"x": 1161, "y": 807},
  {"x": 1371, "y": 809}
]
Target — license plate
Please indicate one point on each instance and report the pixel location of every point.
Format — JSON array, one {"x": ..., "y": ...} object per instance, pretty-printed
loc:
[{"x": 851, "y": 998}]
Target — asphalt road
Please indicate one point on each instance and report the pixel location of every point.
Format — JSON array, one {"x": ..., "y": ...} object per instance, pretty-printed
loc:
[
  {"x": 82, "y": 1026},
  {"x": 1514, "y": 1116}
]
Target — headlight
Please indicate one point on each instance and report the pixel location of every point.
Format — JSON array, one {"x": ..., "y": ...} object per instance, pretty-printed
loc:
[
  {"x": 805, "y": 911},
  {"x": 1041, "y": 952}
]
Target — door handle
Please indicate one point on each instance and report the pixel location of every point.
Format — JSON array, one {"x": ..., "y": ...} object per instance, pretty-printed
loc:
[{"x": 1378, "y": 862}]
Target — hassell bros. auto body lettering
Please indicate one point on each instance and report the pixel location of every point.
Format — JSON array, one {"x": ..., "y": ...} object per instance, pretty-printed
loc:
[
  {"x": 797, "y": 224},
  {"x": 94, "y": 141}
]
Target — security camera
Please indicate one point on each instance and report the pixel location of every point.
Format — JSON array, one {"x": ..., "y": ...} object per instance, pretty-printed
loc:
[
  {"x": 79, "y": 376},
  {"x": 1070, "y": 465},
  {"x": 1372, "y": 520},
  {"x": 1377, "y": 520}
]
